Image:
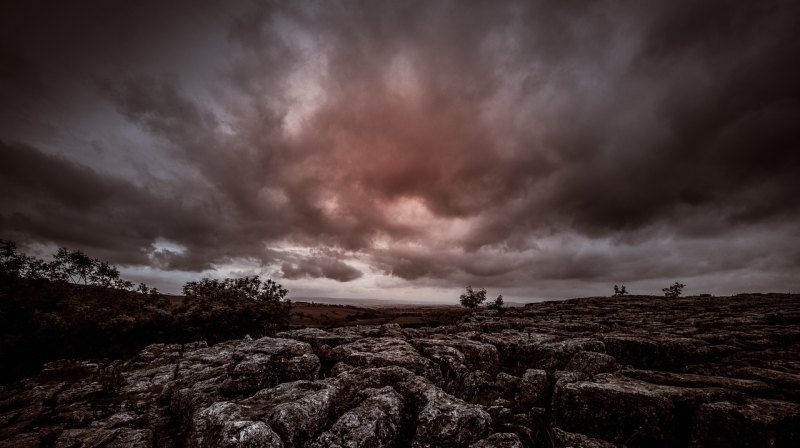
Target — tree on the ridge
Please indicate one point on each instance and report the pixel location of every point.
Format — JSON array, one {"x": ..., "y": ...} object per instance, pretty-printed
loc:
[
  {"x": 105, "y": 274},
  {"x": 472, "y": 298},
  {"x": 498, "y": 304},
  {"x": 620, "y": 291},
  {"x": 673, "y": 291},
  {"x": 12, "y": 263},
  {"x": 71, "y": 265},
  {"x": 236, "y": 289}
]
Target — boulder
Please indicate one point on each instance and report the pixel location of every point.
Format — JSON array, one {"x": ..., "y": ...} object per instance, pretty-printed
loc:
[
  {"x": 447, "y": 421},
  {"x": 373, "y": 423},
  {"x": 534, "y": 388},
  {"x": 298, "y": 414}
]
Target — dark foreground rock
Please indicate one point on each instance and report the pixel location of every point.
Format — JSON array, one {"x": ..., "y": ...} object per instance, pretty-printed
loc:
[{"x": 638, "y": 371}]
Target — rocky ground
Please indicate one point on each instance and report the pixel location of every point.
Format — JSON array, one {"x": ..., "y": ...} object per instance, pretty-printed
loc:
[{"x": 638, "y": 371}]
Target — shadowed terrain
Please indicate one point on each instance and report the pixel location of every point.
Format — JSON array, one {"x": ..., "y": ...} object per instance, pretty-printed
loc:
[
  {"x": 596, "y": 372},
  {"x": 318, "y": 315}
]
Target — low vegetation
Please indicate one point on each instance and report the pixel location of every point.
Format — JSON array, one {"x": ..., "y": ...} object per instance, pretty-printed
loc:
[
  {"x": 473, "y": 298},
  {"x": 497, "y": 304},
  {"x": 76, "y": 306},
  {"x": 674, "y": 291}
]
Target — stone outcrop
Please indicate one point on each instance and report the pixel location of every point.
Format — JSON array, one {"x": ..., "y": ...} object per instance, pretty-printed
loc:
[{"x": 634, "y": 372}]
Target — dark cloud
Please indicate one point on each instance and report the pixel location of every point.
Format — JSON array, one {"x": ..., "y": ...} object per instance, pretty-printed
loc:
[
  {"x": 49, "y": 198},
  {"x": 515, "y": 144},
  {"x": 321, "y": 268}
]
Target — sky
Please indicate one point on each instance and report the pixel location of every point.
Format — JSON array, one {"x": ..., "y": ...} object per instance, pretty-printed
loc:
[{"x": 406, "y": 149}]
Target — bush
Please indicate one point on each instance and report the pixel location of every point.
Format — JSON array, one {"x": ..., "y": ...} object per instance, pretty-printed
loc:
[
  {"x": 620, "y": 291},
  {"x": 472, "y": 299},
  {"x": 80, "y": 308},
  {"x": 223, "y": 309},
  {"x": 235, "y": 290},
  {"x": 673, "y": 291},
  {"x": 497, "y": 304}
]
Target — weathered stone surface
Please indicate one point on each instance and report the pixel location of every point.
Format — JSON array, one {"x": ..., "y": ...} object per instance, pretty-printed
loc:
[
  {"x": 383, "y": 352},
  {"x": 634, "y": 371},
  {"x": 248, "y": 434},
  {"x": 499, "y": 440},
  {"x": 631, "y": 412},
  {"x": 222, "y": 424},
  {"x": 653, "y": 351},
  {"x": 458, "y": 360},
  {"x": 296, "y": 411},
  {"x": 592, "y": 363},
  {"x": 97, "y": 437},
  {"x": 318, "y": 338},
  {"x": 698, "y": 381},
  {"x": 447, "y": 421},
  {"x": 755, "y": 423},
  {"x": 374, "y": 422},
  {"x": 566, "y": 439},
  {"x": 534, "y": 389}
]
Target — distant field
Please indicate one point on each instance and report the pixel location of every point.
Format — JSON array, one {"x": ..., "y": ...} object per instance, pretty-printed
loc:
[
  {"x": 327, "y": 315},
  {"x": 368, "y": 312}
]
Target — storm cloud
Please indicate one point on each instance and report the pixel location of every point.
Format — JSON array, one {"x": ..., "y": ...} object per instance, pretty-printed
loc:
[{"x": 386, "y": 149}]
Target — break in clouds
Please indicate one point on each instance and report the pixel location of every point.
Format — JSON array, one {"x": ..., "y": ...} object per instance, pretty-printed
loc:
[{"x": 407, "y": 149}]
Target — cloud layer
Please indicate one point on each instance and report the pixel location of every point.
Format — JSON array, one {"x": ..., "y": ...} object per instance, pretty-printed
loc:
[{"x": 410, "y": 148}]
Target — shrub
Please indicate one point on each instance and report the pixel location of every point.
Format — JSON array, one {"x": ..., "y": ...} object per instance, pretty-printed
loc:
[
  {"x": 472, "y": 298},
  {"x": 497, "y": 304},
  {"x": 235, "y": 289},
  {"x": 71, "y": 307},
  {"x": 222, "y": 309},
  {"x": 620, "y": 291},
  {"x": 673, "y": 291}
]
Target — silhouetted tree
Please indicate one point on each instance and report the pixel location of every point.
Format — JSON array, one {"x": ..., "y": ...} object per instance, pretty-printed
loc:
[
  {"x": 673, "y": 291},
  {"x": 35, "y": 268},
  {"x": 122, "y": 284},
  {"x": 12, "y": 263},
  {"x": 472, "y": 298},
  {"x": 497, "y": 304},
  {"x": 142, "y": 289},
  {"x": 71, "y": 265},
  {"x": 236, "y": 289},
  {"x": 104, "y": 274},
  {"x": 620, "y": 291}
]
